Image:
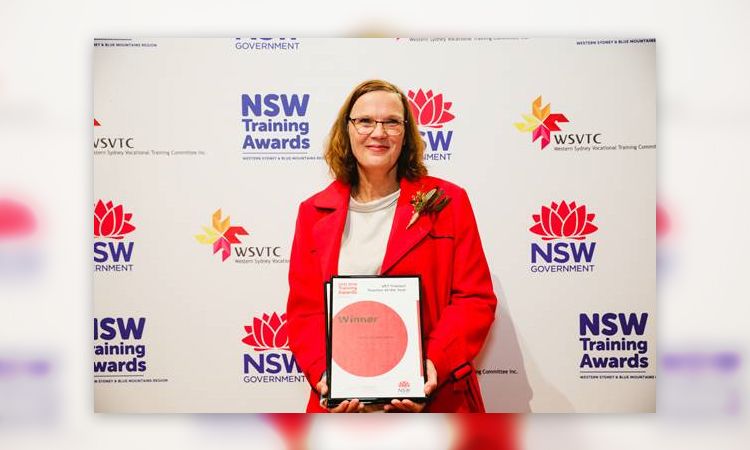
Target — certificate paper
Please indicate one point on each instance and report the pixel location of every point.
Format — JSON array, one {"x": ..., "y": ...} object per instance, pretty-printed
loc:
[{"x": 374, "y": 339}]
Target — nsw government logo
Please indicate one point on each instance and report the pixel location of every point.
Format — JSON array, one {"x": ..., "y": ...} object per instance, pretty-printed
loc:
[
  {"x": 432, "y": 113},
  {"x": 563, "y": 229},
  {"x": 275, "y": 126},
  {"x": 256, "y": 44},
  {"x": 224, "y": 239},
  {"x": 112, "y": 253},
  {"x": 271, "y": 360}
]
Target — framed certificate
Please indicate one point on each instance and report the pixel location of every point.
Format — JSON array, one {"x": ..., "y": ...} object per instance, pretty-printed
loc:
[{"x": 374, "y": 336}]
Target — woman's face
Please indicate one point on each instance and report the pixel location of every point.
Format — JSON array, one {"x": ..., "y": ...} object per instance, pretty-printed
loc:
[{"x": 377, "y": 152}]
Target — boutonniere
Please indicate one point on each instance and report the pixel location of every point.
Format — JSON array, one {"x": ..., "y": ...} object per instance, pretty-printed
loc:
[{"x": 432, "y": 201}]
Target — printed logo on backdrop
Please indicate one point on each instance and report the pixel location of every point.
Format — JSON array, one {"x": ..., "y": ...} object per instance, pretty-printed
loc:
[
  {"x": 256, "y": 44},
  {"x": 563, "y": 229},
  {"x": 432, "y": 114},
  {"x": 109, "y": 144},
  {"x": 541, "y": 123},
  {"x": 112, "y": 225},
  {"x": 271, "y": 361},
  {"x": 275, "y": 126},
  {"x": 120, "y": 354},
  {"x": 613, "y": 346},
  {"x": 224, "y": 240},
  {"x": 544, "y": 127}
]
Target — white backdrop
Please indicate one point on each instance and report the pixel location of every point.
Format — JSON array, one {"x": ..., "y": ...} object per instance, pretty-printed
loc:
[{"x": 168, "y": 141}]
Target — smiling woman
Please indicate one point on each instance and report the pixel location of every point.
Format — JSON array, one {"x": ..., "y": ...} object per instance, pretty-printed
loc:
[{"x": 379, "y": 217}]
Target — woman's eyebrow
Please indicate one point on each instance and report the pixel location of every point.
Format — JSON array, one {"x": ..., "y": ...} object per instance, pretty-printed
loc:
[{"x": 387, "y": 117}]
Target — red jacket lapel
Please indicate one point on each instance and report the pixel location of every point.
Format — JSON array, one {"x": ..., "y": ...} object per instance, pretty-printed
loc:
[
  {"x": 402, "y": 240},
  {"x": 327, "y": 231}
]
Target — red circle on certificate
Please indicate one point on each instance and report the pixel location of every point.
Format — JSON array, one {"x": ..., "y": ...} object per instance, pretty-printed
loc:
[{"x": 369, "y": 338}]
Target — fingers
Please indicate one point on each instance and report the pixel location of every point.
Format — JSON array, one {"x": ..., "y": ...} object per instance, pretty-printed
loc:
[
  {"x": 322, "y": 387},
  {"x": 431, "y": 383},
  {"x": 348, "y": 406},
  {"x": 404, "y": 406},
  {"x": 355, "y": 406}
]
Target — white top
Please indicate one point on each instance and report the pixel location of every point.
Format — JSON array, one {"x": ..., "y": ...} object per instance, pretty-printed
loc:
[{"x": 366, "y": 232}]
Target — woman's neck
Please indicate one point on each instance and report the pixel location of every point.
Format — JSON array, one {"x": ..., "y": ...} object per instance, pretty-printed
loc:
[{"x": 372, "y": 187}]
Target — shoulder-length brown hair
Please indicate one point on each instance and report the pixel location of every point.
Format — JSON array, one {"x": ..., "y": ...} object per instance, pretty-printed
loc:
[{"x": 338, "y": 152}]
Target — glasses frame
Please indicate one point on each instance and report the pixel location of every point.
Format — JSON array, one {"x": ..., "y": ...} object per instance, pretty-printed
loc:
[{"x": 382, "y": 122}]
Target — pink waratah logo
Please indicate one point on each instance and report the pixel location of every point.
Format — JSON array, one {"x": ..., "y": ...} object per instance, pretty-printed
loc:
[
  {"x": 111, "y": 221},
  {"x": 268, "y": 332},
  {"x": 429, "y": 109},
  {"x": 563, "y": 221}
]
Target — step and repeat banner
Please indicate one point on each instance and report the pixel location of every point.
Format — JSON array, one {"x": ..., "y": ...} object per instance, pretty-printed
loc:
[{"x": 204, "y": 148}]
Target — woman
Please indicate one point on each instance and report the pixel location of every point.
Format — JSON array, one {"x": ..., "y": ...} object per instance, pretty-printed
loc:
[{"x": 364, "y": 223}]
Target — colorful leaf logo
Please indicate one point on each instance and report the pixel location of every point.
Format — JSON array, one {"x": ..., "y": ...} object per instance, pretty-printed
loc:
[
  {"x": 563, "y": 221},
  {"x": 221, "y": 235},
  {"x": 540, "y": 123},
  {"x": 111, "y": 221},
  {"x": 268, "y": 332},
  {"x": 429, "y": 109}
]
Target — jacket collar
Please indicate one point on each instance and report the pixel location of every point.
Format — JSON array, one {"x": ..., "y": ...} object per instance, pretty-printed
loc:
[
  {"x": 328, "y": 231},
  {"x": 401, "y": 240}
]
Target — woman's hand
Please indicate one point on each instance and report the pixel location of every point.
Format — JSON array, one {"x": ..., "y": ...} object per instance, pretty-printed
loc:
[
  {"x": 347, "y": 406},
  {"x": 410, "y": 406}
]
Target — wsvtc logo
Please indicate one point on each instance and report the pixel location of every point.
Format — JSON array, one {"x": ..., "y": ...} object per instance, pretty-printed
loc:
[
  {"x": 430, "y": 111},
  {"x": 224, "y": 239},
  {"x": 272, "y": 361},
  {"x": 275, "y": 123},
  {"x": 111, "y": 224},
  {"x": 111, "y": 145},
  {"x": 541, "y": 123},
  {"x": 565, "y": 227},
  {"x": 544, "y": 127},
  {"x": 117, "y": 347}
]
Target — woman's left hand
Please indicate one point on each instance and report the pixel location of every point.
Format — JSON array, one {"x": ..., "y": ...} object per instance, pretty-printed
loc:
[{"x": 410, "y": 406}]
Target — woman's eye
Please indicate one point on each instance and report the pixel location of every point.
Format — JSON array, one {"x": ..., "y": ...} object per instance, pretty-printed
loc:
[{"x": 366, "y": 122}]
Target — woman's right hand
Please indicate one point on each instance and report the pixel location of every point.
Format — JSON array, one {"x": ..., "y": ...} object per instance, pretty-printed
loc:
[{"x": 347, "y": 406}]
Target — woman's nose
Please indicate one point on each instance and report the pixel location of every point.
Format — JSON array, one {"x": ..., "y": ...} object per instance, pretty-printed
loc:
[{"x": 379, "y": 130}]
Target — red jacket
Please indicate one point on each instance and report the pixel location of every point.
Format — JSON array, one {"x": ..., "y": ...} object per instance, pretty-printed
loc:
[{"x": 458, "y": 304}]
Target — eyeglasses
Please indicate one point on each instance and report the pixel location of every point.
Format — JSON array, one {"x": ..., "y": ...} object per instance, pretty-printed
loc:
[{"x": 366, "y": 125}]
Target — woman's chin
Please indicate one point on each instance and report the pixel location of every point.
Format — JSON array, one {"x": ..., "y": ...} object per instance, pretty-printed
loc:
[{"x": 376, "y": 166}]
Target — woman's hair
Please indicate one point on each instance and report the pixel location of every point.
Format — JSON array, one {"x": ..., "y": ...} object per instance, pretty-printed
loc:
[{"x": 338, "y": 152}]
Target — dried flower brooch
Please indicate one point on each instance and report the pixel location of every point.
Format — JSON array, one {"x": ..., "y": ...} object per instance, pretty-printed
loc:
[{"x": 432, "y": 201}]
